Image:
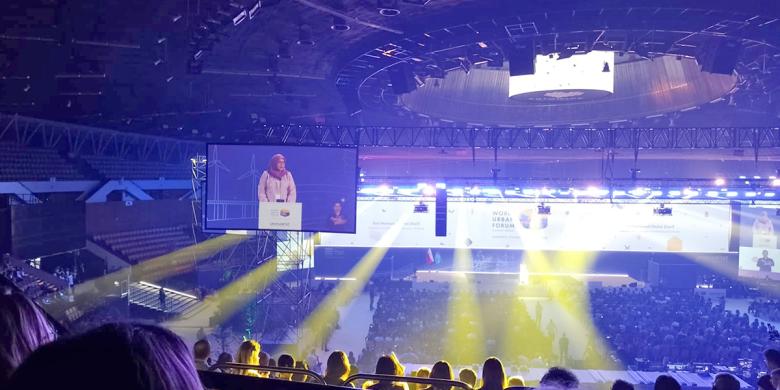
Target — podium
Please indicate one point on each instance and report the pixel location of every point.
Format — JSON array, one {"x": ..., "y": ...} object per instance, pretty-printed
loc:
[
  {"x": 279, "y": 216},
  {"x": 764, "y": 241}
]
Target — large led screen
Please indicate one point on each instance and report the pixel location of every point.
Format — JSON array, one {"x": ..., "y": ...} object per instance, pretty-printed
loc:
[
  {"x": 759, "y": 256},
  {"x": 292, "y": 188}
]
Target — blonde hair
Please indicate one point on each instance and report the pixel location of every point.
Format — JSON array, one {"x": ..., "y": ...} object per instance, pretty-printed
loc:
[{"x": 248, "y": 353}]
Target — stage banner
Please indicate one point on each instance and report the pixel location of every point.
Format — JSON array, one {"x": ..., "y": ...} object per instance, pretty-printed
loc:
[{"x": 569, "y": 226}]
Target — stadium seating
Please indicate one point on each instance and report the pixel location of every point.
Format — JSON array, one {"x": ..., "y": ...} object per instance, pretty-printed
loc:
[
  {"x": 21, "y": 162},
  {"x": 117, "y": 168},
  {"x": 139, "y": 245}
]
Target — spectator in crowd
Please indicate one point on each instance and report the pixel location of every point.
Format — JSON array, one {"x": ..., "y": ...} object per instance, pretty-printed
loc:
[
  {"x": 386, "y": 365},
  {"x": 772, "y": 361},
  {"x": 441, "y": 370},
  {"x": 286, "y": 361},
  {"x": 423, "y": 372},
  {"x": 248, "y": 353},
  {"x": 23, "y": 328},
  {"x": 516, "y": 381},
  {"x": 725, "y": 381},
  {"x": 337, "y": 368},
  {"x": 622, "y": 385},
  {"x": 114, "y": 356},
  {"x": 468, "y": 376},
  {"x": 202, "y": 351},
  {"x": 301, "y": 365},
  {"x": 162, "y": 299},
  {"x": 224, "y": 357},
  {"x": 559, "y": 378},
  {"x": 666, "y": 382},
  {"x": 765, "y": 383},
  {"x": 774, "y": 377},
  {"x": 493, "y": 376}
]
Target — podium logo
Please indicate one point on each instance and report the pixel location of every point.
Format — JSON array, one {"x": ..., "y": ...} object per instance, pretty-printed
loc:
[{"x": 284, "y": 212}]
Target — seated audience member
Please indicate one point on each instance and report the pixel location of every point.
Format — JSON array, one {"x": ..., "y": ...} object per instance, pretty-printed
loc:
[
  {"x": 772, "y": 360},
  {"x": 386, "y": 365},
  {"x": 666, "y": 382},
  {"x": 264, "y": 360},
  {"x": 337, "y": 369},
  {"x": 23, "y": 327},
  {"x": 300, "y": 364},
  {"x": 516, "y": 381},
  {"x": 622, "y": 385},
  {"x": 493, "y": 376},
  {"x": 248, "y": 353},
  {"x": 421, "y": 373},
  {"x": 114, "y": 356},
  {"x": 774, "y": 378},
  {"x": 224, "y": 357},
  {"x": 285, "y": 361},
  {"x": 202, "y": 351},
  {"x": 764, "y": 383},
  {"x": 468, "y": 376},
  {"x": 725, "y": 381},
  {"x": 559, "y": 378},
  {"x": 441, "y": 370}
]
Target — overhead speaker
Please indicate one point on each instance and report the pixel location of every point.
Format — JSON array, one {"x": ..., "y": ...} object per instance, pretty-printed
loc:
[
  {"x": 719, "y": 56},
  {"x": 402, "y": 78},
  {"x": 522, "y": 56}
]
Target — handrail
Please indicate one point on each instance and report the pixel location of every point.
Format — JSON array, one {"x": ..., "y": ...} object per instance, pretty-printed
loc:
[
  {"x": 409, "y": 379},
  {"x": 285, "y": 370}
]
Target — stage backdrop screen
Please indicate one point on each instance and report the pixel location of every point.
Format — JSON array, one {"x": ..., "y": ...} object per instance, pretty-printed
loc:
[
  {"x": 699, "y": 228},
  {"x": 759, "y": 256},
  {"x": 294, "y": 188}
]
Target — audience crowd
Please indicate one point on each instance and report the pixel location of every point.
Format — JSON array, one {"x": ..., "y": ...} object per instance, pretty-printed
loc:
[
  {"x": 641, "y": 325},
  {"x": 649, "y": 328},
  {"x": 765, "y": 308}
]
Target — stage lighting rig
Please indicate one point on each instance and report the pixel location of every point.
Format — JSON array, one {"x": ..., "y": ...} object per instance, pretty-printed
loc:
[{"x": 543, "y": 209}]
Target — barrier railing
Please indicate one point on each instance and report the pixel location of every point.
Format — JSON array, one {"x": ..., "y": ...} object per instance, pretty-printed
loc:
[
  {"x": 408, "y": 379},
  {"x": 282, "y": 370}
]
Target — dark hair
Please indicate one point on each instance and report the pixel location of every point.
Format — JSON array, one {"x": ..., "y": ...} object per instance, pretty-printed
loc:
[
  {"x": 140, "y": 357},
  {"x": 286, "y": 360},
  {"x": 561, "y": 377},
  {"x": 337, "y": 366},
  {"x": 725, "y": 381},
  {"x": 622, "y": 385},
  {"x": 468, "y": 376},
  {"x": 666, "y": 382},
  {"x": 23, "y": 328},
  {"x": 765, "y": 383},
  {"x": 386, "y": 366},
  {"x": 441, "y": 370},
  {"x": 263, "y": 358},
  {"x": 224, "y": 357},
  {"x": 772, "y": 356},
  {"x": 493, "y": 376},
  {"x": 201, "y": 349}
]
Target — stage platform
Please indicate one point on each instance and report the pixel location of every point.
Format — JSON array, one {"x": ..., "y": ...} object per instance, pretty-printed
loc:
[{"x": 510, "y": 280}]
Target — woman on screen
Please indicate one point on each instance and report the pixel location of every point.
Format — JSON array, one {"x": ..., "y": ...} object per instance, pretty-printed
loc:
[
  {"x": 337, "y": 221},
  {"x": 276, "y": 182},
  {"x": 763, "y": 225}
]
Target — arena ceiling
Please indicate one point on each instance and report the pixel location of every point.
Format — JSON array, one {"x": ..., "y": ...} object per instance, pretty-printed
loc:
[{"x": 214, "y": 68}]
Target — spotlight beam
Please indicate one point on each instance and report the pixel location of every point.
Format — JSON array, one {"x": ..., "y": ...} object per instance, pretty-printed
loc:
[{"x": 319, "y": 323}]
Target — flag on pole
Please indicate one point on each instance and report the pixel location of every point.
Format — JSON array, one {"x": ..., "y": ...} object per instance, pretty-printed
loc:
[{"x": 429, "y": 257}]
